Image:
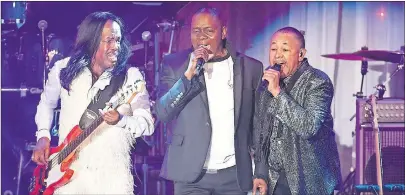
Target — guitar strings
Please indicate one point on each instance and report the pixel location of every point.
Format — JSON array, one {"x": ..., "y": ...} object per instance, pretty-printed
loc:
[{"x": 55, "y": 159}]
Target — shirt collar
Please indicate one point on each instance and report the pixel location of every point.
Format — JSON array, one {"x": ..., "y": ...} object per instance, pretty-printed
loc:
[{"x": 287, "y": 79}]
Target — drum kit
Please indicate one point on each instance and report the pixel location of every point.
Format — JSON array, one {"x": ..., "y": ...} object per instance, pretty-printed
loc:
[
  {"x": 364, "y": 55},
  {"x": 25, "y": 52}
]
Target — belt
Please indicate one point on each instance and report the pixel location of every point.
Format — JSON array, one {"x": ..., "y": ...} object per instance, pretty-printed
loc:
[{"x": 215, "y": 171}]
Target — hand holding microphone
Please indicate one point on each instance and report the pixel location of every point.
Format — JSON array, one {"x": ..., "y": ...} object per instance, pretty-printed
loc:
[
  {"x": 271, "y": 79},
  {"x": 201, "y": 55}
]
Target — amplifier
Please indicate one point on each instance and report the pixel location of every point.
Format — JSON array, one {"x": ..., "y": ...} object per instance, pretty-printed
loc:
[
  {"x": 388, "y": 111},
  {"x": 392, "y": 139}
]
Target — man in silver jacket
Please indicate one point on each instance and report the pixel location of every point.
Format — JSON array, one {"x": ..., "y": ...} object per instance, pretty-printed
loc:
[{"x": 295, "y": 151}]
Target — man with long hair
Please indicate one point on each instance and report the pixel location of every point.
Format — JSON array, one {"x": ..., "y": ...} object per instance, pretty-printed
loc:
[
  {"x": 102, "y": 166},
  {"x": 209, "y": 150}
]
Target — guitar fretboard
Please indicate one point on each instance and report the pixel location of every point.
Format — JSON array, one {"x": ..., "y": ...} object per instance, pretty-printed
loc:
[
  {"x": 86, "y": 133},
  {"x": 70, "y": 147}
]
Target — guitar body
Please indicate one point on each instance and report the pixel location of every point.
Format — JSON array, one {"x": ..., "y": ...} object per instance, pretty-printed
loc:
[{"x": 60, "y": 174}]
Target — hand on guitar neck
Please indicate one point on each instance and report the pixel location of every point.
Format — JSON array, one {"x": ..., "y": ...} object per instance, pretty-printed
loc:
[
  {"x": 41, "y": 151},
  {"x": 111, "y": 117}
]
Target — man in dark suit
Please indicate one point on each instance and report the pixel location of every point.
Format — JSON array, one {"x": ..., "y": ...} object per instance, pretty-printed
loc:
[
  {"x": 296, "y": 151},
  {"x": 209, "y": 152}
]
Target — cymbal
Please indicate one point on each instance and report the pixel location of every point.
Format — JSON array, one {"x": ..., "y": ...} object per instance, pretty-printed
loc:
[
  {"x": 347, "y": 56},
  {"x": 382, "y": 55}
]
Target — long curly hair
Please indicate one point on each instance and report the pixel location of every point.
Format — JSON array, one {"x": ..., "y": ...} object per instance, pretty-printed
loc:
[{"x": 86, "y": 45}]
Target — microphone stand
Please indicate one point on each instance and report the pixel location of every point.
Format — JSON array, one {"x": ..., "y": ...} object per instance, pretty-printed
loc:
[
  {"x": 42, "y": 25},
  {"x": 45, "y": 56}
]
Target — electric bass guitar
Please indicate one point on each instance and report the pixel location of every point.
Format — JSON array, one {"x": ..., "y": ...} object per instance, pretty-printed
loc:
[
  {"x": 62, "y": 156},
  {"x": 377, "y": 143}
]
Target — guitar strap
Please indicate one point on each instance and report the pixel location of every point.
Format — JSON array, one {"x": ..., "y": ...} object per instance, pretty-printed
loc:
[{"x": 100, "y": 99}]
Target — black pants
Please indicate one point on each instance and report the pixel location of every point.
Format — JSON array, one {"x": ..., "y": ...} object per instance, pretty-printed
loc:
[
  {"x": 224, "y": 182},
  {"x": 282, "y": 187}
]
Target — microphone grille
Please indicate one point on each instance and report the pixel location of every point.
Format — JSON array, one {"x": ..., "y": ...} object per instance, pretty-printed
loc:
[
  {"x": 146, "y": 35},
  {"x": 277, "y": 67},
  {"x": 42, "y": 24}
]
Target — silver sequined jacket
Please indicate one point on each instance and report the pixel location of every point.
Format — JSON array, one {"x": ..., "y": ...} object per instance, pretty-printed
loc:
[{"x": 306, "y": 145}]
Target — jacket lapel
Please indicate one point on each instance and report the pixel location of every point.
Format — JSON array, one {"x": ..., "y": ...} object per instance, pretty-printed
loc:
[
  {"x": 203, "y": 94},
  {"x": 237, "y": 87}
]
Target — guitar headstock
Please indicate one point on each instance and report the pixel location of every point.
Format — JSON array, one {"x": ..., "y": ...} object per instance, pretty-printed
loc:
[{"x": 128, "y": 93}]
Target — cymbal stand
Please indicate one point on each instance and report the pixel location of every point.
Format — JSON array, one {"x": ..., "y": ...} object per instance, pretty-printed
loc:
[
  {"x": 381, "y": 87},
  {"x": 364, "y": 67}
]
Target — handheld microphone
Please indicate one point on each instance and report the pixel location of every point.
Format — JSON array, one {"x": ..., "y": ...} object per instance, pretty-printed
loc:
[
  {"x": 200, "y": 65},
  {"x": 265, "y": 83}
]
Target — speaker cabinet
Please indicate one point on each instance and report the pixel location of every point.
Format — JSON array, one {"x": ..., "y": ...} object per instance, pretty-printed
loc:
[{"x": 392, "y": 141}]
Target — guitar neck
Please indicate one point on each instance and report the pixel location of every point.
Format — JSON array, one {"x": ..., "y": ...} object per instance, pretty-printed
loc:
[
  {"x": 79, "y": 139},
  {"x": 378, "y": 162},
  {"x": 131, "y": 92},
  {"x": 377, "y": 143}
]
